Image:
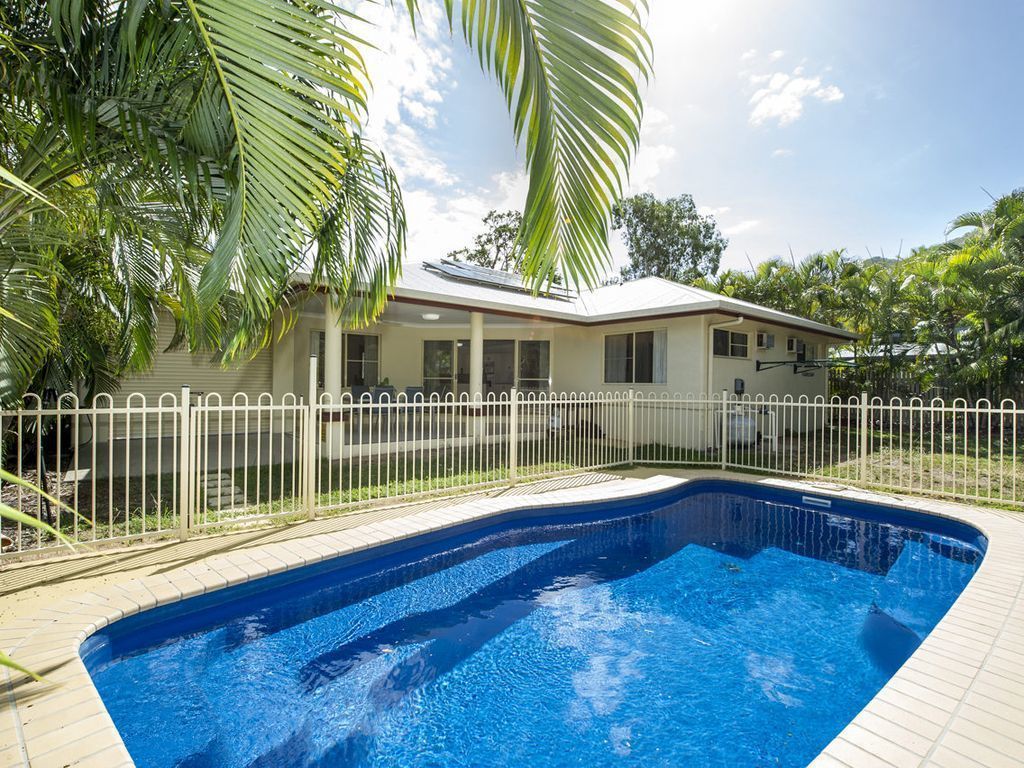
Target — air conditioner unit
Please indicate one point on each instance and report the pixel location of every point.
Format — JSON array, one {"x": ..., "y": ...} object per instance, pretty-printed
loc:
[{"x": 765, "y": 340}]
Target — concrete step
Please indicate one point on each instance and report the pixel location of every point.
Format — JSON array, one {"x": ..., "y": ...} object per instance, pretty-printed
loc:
[{"x": 225, "y": 495}]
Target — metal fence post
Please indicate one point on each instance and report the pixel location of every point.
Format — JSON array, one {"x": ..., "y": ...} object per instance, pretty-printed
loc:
[
  {"x": 863, "y": 472},
  {"x": 312, "y": 435},
  {"x": 725, "y": 428},
  {"x": 513, "y": 436},
  {"x": 630, "y": 426},
  {"x": 185, "y": 464}
]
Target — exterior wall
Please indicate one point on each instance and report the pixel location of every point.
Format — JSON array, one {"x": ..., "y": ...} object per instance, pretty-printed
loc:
[
  {"x": 577, "y": 360},
  {"x": 779, "y": 381},
  {"x": 175, "y": 368},
  {"x": 578, "y": 357},
  {"x": 579, "y": 367},
  {"x": 579, "y": 354}
]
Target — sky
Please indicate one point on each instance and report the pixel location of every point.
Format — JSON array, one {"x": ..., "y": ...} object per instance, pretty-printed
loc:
[{"x": 800, "y": 125}]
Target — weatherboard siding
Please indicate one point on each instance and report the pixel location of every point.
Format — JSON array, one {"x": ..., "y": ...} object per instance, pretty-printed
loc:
[{"x": 173, "y": 368}]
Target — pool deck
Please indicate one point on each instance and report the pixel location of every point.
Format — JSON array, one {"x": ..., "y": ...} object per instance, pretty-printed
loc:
[{"x": 958, "y": 702}]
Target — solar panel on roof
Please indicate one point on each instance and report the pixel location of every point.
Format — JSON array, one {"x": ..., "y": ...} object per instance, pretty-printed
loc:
[{"x": 493, "y": 278}]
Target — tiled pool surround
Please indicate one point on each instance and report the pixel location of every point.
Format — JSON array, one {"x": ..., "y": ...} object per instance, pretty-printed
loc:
[{"x": 959, "y": 701}]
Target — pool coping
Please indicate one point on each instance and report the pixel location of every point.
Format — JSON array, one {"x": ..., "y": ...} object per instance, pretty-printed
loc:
[{"x": 958, "y": 701}]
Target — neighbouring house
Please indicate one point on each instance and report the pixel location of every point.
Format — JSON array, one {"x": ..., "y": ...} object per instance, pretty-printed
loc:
[{"x": 454, "y": 328}]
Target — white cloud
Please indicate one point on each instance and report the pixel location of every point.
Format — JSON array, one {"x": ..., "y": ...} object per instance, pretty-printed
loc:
[
  {"x": 440, "y": 222},
  {"x": 782, "y": 152},
  {"x": 707, "y": 210},
  {"x": 749, "y": 55},
  {"x": 776, "y": 55},
  {"x": 744, "y": 226},
  {"x": 829, "y": 93},
  {"x": 410, "y": 74},
  {"x": 413, "y": 160},
  {"x": 782, "y": 96},
  {"x": 656, "y": 150}
]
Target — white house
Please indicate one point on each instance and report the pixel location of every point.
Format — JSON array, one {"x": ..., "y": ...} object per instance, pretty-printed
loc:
[{"x": 454, "y": 328}]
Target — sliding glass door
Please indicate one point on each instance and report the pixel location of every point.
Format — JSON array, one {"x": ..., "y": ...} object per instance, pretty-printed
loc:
[{"x": 506, "y": 363}]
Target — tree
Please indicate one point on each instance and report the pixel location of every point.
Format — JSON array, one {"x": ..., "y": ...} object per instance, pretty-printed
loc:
[
  {"x": 499, "y": 246},
  {"x": 668, "y": 238},
  {"x": 219, "y": 144},
  {"x": 950, "y": 314}
]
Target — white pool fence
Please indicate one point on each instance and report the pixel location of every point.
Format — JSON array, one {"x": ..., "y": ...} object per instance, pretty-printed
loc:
[{"x": 182, "y": 462}]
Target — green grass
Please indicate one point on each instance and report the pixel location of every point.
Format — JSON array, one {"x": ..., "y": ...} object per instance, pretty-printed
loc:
[{"x": 134, "y": 507}]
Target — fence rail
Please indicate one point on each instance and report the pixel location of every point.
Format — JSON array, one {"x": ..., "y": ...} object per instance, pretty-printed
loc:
[{"x": 181, "y": 463}]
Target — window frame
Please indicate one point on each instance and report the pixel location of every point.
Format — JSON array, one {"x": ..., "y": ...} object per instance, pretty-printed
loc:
[
  {"x": 451, "y": 381},
  {"x": 345, "y": 339},
  {"x": 318, "y": 341},
  {"x": 732, "y": 344},
  {"x": 545, "y": 383},
  {"x": 631, "y": 357}
]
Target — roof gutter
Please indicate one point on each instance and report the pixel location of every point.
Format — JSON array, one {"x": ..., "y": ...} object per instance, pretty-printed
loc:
[{"x": 712, "y": 327}]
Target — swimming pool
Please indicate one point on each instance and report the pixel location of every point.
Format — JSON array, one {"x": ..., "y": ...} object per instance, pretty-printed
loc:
[{"x": 715, "y": 624}]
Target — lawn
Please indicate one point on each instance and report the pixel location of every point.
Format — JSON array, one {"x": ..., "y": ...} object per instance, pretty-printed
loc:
[
  {"x": 951, "y": 466},
  {"x": 114, "y": 507}
]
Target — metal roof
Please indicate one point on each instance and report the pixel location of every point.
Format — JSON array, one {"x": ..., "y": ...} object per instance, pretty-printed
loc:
[{"x": 441, "y": 284}]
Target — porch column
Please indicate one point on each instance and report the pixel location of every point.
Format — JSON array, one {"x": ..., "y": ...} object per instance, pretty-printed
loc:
[
  {"x": 332, "y": 374},
  {"x": 332, "y": 351},
  {"x": 476, "y": 356}
]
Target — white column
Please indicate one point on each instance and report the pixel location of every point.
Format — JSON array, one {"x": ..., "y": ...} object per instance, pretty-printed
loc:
[
  {"x": 284, "y": 368},
  {"x": 332, "y": 351},
  {"x": 332, "y": 374},
  {"x": 476, "y": 356}
]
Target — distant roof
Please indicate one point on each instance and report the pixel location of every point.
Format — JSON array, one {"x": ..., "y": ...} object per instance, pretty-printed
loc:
[
  {"x": 896, "y": 350},
  {"x": 463, "y": 286}
]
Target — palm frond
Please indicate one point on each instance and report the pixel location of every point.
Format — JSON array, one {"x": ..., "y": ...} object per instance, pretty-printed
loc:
[
  {"x": 362, "y": 241},
  {"x": 9, "y": 179},
  {"x": 28, "y": 325},
  {"x": 7, "y": 661},
  {"x": 972, "y": 219},
  {"x": 570, "y": 71},
  {"x": 290, "y": 83}
]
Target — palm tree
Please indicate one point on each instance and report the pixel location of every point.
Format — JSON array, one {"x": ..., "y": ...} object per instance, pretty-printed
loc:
[
  {"x": 986, "y": 266},
  {"x": 208, "y": 149}
]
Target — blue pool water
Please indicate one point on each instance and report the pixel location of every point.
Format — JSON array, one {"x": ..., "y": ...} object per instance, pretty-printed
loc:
[{"x": 716, "y": 625}]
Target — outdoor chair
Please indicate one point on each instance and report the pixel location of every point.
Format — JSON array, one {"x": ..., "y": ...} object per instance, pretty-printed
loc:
[{"x": 384, "y": 398}]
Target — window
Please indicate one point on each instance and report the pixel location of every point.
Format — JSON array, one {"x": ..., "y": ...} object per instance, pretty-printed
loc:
[
  {"x": 730, "y": 344},
  {"x": 438, "y": 367},
  {"x": 360, "y": 359},
  {"x": 635, "y": 358},
  {"x": 534, "y": 366}
]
